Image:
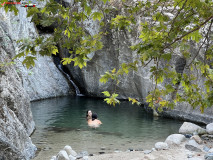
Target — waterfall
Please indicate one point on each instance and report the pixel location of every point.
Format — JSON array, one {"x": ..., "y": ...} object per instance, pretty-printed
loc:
[{"x": 77, "y": 91}]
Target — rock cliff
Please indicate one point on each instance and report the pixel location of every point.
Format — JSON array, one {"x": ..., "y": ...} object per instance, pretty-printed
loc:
[
  {"x": 137, "y": 84},
  {"x": 19, "y": 85},
  {"x": 44, "y": 80},
  {"x": 15, "y": 115}
]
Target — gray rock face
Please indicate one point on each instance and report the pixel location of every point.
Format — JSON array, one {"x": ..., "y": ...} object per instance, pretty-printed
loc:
[
  {"x": 16, "y": 122},
  {"x": 44, "y": 80},
  {"x": 190, "y": 128},
  {"x": 136, "y": 84},
  {"x": 209, "y": 128}
]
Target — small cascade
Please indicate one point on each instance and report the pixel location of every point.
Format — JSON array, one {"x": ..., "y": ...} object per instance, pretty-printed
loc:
[{"x": 77, "y": 91}]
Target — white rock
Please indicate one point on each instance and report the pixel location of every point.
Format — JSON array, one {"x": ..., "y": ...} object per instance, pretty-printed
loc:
[
  {"x": 175, "y": 139},
  {"x": 73, "y": 153},
  {"x": 197, "y": 139},
  {"x": 68, "y": 149},
  {"x": 192, "y": 142},
  {"x": 209, "y": 128},
  {"x": 190, "y": 128},
  {"x": 211, "y": 150},
  {"x": 53, "y": 158},
  {"x": 62, "y": 155},
  {"x": 161, "y": 145},
  {"x": 85, "y": 158},
  {"x": 72, "y": 157}
]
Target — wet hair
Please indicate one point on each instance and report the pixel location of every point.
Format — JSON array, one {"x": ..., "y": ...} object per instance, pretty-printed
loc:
[
  {"x": 87, "y": 113},
  {"x": 94, "y": 115}
]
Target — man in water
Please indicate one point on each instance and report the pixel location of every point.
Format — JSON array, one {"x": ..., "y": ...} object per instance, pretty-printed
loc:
[{"x": 92, "y": 120}]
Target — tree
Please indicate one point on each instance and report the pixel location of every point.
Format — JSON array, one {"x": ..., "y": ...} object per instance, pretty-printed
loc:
[{"x": 166, "y": 25}]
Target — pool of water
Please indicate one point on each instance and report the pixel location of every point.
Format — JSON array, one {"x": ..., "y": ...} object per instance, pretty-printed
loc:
[{"x": 61, "y": 121}]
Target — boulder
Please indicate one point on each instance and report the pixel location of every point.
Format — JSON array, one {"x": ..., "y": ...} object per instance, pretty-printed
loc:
[
  {"x": 73, "y": 153},
  {"x": 175, "y": 139},
  {"x": 209, "y": 156},
  {"x": 209, "y": 128},
  {"x": 190, "y": 128},
  {"x": 72, "y": 157},
  {"x": 161, "y": 146},
  {"x": 62, "y": 155},
  {"x": 197, "y": 139},
  {"x": 68, "y": 149}
]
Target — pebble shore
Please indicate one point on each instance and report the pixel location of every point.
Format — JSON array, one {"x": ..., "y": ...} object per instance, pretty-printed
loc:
[{"x": 192, "y": 143}]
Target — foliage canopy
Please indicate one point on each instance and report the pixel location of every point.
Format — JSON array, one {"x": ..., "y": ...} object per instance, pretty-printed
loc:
[{"x": 165, "y": 26}]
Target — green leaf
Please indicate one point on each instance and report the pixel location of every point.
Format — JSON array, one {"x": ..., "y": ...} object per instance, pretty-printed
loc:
[
  {"x": 106, "y": 93},
  {"x": 97, "y": 15},
  {"x": 29, "y": 61}
]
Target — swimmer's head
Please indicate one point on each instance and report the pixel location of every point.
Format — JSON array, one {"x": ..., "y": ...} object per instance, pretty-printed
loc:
[{"x": 89, "y": 113}]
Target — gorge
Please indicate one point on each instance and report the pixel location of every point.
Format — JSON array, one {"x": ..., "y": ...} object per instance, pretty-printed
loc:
[{"x": 19, "y": 85}]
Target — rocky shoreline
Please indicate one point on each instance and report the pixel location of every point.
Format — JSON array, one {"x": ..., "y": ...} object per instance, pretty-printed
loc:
[{"x": 192, "y": 143}]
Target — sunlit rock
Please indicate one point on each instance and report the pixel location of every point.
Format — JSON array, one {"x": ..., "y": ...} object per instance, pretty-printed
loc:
[{"x": 190, "y": 128}]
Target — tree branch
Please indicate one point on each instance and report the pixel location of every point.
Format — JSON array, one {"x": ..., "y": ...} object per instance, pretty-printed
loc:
[{"x": 195, "y": 29}]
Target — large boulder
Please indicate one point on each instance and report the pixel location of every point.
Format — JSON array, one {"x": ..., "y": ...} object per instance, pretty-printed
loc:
[
  {"x": 190, "y": 128},
  {"x": 209, "y": 128},
  {"x": 175, "y": 139}
]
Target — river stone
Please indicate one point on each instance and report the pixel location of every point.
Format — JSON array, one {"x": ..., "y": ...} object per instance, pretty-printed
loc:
[
  {"x": 53, "y": 158},
  {"x": 68, "y": 149},
  {"x": 85, "y": 158},
  {"x": 147, "y": 151},
  {"x": 209, "y": 128},
  {"x": 209, "y": 156},
  {"x": 210, "y": 150},
  {"x": 72, "y": 157},
  {"x": 161, "y": 146},
  {"x": 197, "y": 139},
  {"x": 192, "y": 145},
  {"x": 82, "y": 154},
  {"x": 175, "y": 139},
  {"x": 62, "y": 155},
  {"x": 190, "y": 128},
  {"x": 192, "y": 148}
]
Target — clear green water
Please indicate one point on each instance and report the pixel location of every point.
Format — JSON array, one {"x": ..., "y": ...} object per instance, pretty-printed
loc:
[{"x": 61, "y": 121}]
